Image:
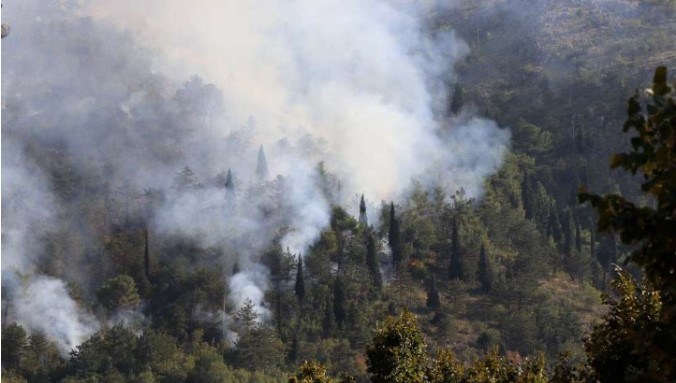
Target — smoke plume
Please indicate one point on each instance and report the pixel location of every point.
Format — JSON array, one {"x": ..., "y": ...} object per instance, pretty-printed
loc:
[{"x": 135, "y": 92}]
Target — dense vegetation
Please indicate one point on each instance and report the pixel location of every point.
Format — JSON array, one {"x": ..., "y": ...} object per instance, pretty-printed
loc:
[{"x": 446, "y": 289}]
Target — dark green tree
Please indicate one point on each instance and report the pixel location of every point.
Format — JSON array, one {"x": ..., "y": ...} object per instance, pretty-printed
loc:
[
  {"x": 398, "y": 352},
  {"x": 119, "y": 293},
  {"x": 433, "y": 300},
  {"x": 648, "y": 334},
  {"x": 394, "y": 238},
  {"x": 339, "y": 302},
  {"x": 372, "y": 260},
  {"x": 14, "y": 344},
  {"x": 458, "y": 99},
  {"x": 568, "y": 229},
  {"x": 485, "y": 270},
  {"x": 328, "y": 321},
  {"x": 299, "y": 287},
  {"x": 455, "y": 270}
]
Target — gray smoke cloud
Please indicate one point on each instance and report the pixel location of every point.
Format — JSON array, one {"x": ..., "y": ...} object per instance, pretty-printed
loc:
[{"x": 359, "y": 85}]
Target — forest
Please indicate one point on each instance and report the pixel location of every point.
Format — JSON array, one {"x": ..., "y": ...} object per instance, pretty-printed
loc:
[{"x": 339, "y": 191}]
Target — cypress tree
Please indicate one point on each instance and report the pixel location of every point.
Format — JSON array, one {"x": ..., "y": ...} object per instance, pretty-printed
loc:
[
  {"x": 578, "y": 235},
  {"x": 299, "y": 288},
  {"x": 327, "y": 321},
  {"x": 235, "y": 268},
  {"x": 455, "y": 269},
  {"x": 230, "y": 195},
  {"x": 363, "y": 219},
  {"x": 395, "y": 246},
  {"x": 458, "y": 99},
  {"x": 262, "y": 165},
  {"x": 554, "y": 225},
  {"x": 433, "y": 300},
  {"x": 567, "y": 228},
  {"x": 527, "y": 197},
  {"x": 607, "y": 253},
  {"x": 485, "y": 270},
  {"x": 372, "y": 261},
  {"x": 146, "y": 255},
  {"x": 339, "y": 301}
]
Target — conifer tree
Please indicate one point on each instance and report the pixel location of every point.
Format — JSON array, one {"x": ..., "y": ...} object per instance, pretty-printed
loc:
[
  {"x": 455, "y": 269},
  {"x": 433, "y": 300},
  {"x": 458, "y": 99},
  {"x": 372, "y": 260},
  {"x": 607, "y": 253},
  {"x": 527, "y": 197},
  {"x": 262, "y": 165},
  {"x": 299, "y": 288},
  {"x": 363, "y": 219},
  {"x": 146, "y": 255},
  {"x": 395, "y": 244},
  {"x": 568, "y": 234},
  {"x": 485, "y": 270},
  {"x": 328, "y": 320},
  {"x": 230, "y": 195},
  {"x": 554, "y": 225},
  {"x": 339, "y": 302},
  {"x": 578, "y": 235}
]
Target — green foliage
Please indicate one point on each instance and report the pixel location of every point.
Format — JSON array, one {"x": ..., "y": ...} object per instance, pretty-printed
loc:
[
  {"x": 643, "y": 337},
  {"x": 611, "y": 347},
  {"x": 119, "y": 293},
  {"x": 299, "y": 287},
  {"x": 398, "y": 352},
  {"x": 310, "y": 372},
  {"x": 14, "y": 344}
]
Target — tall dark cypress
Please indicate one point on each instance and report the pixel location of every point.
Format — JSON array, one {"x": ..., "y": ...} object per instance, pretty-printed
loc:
[
  {"x": 262, "y": 165},
  {"x": 433, "y": 300},
  {"x": 527, "y": 197},
  {"x": 578, "y": 235},
  {"x": 363, "y": 219},
  {"x": 458, "y": 99},
  {"x": 395, "y": 246},
  {"x": 327, "y": 321},
  {"x": 567, "y": 228},
  {"x": 299, "y": 288},
  {"x": 372, "y": 261},
  {"x": 455, "y": 269},
  {"x": 146, "y": 255},
  {"x": 554, "y": 225},
  {"x": 339, "y": 302},
  {"x": 485, "y": 270}
]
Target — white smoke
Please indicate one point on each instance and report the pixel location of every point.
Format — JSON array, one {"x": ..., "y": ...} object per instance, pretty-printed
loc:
[
  {"x": 366, "y": 77},
  {"x": 360, "y": 85},
  {"x": 43, "y": 304}
]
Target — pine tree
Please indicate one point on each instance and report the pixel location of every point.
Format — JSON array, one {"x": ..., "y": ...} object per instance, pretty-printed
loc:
[
  {"x": 372, "y": 261},
  {"x": 455, "y": 269},
  {"x": 485, "y": 270},
  {"x": 299, "y": 288},
  {"x": 395, "y": 245}
]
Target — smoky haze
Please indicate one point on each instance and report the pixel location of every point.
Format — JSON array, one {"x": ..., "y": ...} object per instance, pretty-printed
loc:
[{"x": 155, "y": 101}]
